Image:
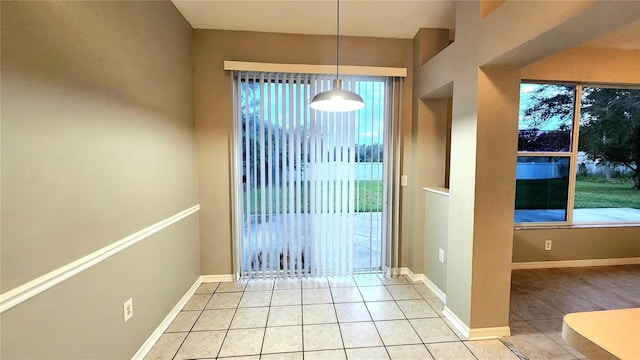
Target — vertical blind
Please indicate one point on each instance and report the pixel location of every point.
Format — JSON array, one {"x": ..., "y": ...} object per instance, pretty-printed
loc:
[{"x": 301, "y": 205}]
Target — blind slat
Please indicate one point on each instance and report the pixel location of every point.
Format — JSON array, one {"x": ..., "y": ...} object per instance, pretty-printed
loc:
[{"x": 279, "y": 233}]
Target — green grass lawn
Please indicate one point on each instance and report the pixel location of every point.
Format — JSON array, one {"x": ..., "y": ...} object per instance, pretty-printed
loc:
[
  {"x": 530, "y": 194},
  {"x": 369, "y": 197},
  {"x": 590, "y": 195}
]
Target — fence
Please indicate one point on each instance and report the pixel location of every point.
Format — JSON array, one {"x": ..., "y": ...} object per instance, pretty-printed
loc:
[
  {"x": 363, "y": 170},
  {"x": 536, "y": 170}
]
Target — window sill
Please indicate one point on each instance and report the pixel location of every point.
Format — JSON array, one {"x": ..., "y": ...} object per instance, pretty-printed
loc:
[
  {"x": 518, "y": 227},
  {"x": 437, "y": 190}
]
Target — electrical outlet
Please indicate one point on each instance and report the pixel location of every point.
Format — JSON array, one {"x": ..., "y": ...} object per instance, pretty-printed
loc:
[
  {"x": 128, "y": 309},
  {"x": 403, "y": 180},
  {"x": 547, "y": 245},
  {"x": 441, "y": 255}
]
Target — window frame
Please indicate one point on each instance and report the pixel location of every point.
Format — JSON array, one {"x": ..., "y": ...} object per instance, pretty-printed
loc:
[{"x": 573, "y": 159}]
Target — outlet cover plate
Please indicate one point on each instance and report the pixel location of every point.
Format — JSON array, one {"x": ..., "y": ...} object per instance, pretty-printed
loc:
[{"x": 128, "y": 309}]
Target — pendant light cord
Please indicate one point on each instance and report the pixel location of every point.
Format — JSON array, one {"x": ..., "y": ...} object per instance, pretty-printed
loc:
[{"x": 337, "y": 40}]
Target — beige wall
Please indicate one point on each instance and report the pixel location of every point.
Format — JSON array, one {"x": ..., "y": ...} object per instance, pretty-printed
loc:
[
  {"x": 483, "y": 119},
  {"x": 428, "y": 143},
  {"x": 436, "y": 214},
  {"x": 214, "y": 115},
  {"x": 481, "y": 72},
  {"x": 576, "y": 243},
  {"x": 498, "y": 94},
  {"x": 97, "y": 143},
  {"x": 608, "y": 66},
  {"x": 81, "y": 318}
]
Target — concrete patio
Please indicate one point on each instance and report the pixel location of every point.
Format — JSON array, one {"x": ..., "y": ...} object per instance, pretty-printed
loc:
[
  {"x": 601, "y": 215},
  {"x": 367, "y": 243}
]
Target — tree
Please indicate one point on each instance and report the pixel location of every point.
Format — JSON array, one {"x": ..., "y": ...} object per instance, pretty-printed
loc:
[
  {"x": 609, "y": 124},
  {"x": 369, "y": 153},
  {"x": 610, "y": 127},
  {"x": 540, "y": 140},
  {"x": 268, "y": 138}
]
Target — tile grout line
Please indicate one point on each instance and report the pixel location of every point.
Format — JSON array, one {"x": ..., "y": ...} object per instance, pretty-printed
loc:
[
  {"x": 403, "y": 314},
  {"x": 230, "y": 323},
  {"x": 513, "y": 349},
  {"x": 470, "y": 351},
  {"x": 201, "y": 311},
  {"x": 266, "y": 322},
  {"x": 302, "y": 318},
  {"x": 546, "y": 336},
  {"x": 189, "y": 332},
  {"x": 409, "y": 321},
  {"x": 337, "y": 323}
]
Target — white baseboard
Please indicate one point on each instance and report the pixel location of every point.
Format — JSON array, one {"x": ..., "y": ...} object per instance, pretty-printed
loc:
[
  {"x": 425, "y": 280},
  {"x": 477, "y": 333},
  {"x": 574, "y": 263},
  {"x": 406, "y": 271},
  {"x": 146, "y": 347},
  {"x": 153, "y": 338},
  {"x": 217, "y": 278},
  {"x": 489, "y": 333},
  {"x": 456, "y": 322},
  {"x": 435, "y": 289}
]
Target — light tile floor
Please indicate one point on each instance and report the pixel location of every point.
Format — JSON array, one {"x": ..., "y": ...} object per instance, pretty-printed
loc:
[{"x": 375, "y": 317}]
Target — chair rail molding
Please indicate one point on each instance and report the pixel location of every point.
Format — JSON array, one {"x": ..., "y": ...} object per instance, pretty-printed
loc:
[{"x": 36, "y": 286}]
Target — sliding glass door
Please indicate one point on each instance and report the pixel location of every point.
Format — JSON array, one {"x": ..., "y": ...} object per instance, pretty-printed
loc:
[{"x": 310, "y": 190}]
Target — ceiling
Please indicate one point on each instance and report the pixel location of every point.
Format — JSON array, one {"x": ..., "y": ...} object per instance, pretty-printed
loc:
[
  {"x": 380, "y": 18},
  {"x": 372, "y": 18}
]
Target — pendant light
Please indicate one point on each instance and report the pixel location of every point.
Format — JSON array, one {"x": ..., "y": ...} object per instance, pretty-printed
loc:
[{"x": 336, "y": 99}]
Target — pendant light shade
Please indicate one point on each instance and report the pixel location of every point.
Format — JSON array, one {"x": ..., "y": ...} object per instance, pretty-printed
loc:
[{"x": 336, "y": 99}]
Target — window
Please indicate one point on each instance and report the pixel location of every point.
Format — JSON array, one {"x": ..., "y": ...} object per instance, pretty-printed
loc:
[
  {"x": 578, "y": 150},
  {"x": 544, "y": 152}
]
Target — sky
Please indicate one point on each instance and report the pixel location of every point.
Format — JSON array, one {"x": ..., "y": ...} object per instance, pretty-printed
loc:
[{"x": 369, "y": 120}]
